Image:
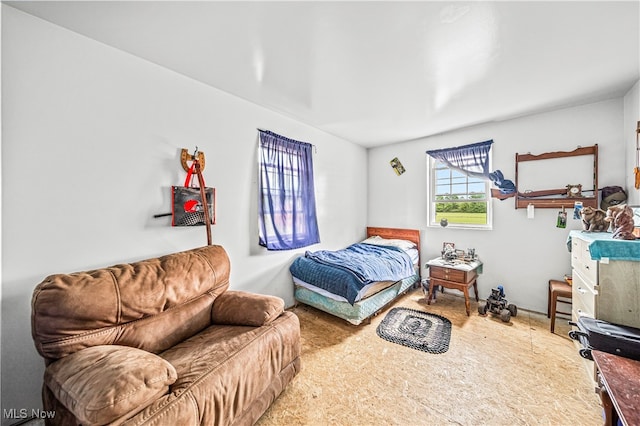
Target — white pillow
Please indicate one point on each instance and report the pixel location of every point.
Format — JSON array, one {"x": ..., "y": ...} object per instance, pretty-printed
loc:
[{"x": 401, "y": 244}]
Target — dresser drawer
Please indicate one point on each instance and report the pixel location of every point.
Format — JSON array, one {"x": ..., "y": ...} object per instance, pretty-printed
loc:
[
  {"x": 576, "y": 252},
  {"x": 579, "y": 311},
  {"x": 448, "y": 274},
  {"x": 582, "y": 262},
  {"x": 583, "y": 298},
  {"x": 580, "y": 280},
  {"x": 576, "y": 314}
]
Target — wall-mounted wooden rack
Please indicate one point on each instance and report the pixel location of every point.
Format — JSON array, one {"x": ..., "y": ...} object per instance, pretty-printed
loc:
[{"x": 553, "y": 198}]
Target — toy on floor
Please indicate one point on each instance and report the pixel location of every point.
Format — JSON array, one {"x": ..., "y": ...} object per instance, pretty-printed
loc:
[
  {"x": 497, "y": 304},
  {"x": 425, "y": 289}
]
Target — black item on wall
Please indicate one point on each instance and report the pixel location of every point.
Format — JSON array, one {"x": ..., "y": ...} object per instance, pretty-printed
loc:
[{"x": 612, "y": 196}]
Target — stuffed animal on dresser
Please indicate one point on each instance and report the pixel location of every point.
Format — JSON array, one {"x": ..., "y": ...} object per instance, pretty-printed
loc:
[
  {"x": 593, "y": 220},
  {"x": 621, "y": 218}
]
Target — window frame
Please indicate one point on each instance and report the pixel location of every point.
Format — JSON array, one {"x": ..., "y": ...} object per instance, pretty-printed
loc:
[{"x": 431, "y": 201}]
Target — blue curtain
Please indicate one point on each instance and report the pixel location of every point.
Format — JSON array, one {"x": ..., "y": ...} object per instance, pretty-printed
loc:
[
  {"x": 473, "y": 160},
  {"x": 287, "y": 204}
]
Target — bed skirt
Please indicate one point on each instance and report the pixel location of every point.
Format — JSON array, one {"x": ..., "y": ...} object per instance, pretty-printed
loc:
[{"x": 360, "y": 311}]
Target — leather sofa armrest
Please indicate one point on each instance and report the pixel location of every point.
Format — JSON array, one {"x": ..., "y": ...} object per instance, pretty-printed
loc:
[
  {"x": 243, "y": 308},
  {"x": 104, "y": 383}
]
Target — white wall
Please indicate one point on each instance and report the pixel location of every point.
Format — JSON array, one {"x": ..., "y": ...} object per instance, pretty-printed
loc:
[
  {"x": 631, "y": 119},
  {"x": 90, "y": 148},
  {"x": 521, "y": 254}
]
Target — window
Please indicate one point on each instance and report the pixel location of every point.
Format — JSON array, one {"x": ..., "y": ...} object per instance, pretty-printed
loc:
[
  {"x": 462, "y": 200},
  {"x": 458, "y": 187},
  {"x": 286, "y": 208}
]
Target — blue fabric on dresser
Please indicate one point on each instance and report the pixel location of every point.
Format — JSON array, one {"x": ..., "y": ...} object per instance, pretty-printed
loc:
[
  {"x": 345, "y": 272},
  {"x": 602, "y": 245}
]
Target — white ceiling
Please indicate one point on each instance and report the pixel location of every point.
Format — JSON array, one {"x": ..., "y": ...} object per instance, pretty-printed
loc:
[{"x": 383, "y": 71}]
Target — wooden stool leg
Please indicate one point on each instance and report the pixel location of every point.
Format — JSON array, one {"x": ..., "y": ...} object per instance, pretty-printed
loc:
[
  {"x": 554, "y": 301},
  {"x": 549, "y": 300}
]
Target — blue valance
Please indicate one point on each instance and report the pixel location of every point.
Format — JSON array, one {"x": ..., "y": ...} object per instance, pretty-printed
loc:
[{"x": 473, "y": 161}]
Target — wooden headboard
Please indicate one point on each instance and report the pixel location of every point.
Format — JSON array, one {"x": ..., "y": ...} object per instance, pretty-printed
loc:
[{"x": 402, "y": 234}]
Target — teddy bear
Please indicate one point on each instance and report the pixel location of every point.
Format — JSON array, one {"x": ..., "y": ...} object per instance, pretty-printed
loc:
[
  {"x": 593, "y": 220},
  {"x": 621, "y": 217}
]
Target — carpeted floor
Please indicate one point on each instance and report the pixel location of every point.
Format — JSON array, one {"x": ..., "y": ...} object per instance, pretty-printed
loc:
[{"x": 494, "y": 373}]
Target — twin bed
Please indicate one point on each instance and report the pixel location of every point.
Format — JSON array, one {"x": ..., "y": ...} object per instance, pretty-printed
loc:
[{"x": 358, "y": 281}]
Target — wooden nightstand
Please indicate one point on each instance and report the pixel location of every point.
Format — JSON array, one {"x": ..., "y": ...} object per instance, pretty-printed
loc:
[{"x": 459, "y": 276}]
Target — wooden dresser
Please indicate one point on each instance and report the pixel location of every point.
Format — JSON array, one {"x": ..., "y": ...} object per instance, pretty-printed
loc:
[{"x": 607, "y": 288}]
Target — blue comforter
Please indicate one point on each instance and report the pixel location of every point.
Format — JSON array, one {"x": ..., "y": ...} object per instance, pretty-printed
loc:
[{"x": 345, "y": 272}]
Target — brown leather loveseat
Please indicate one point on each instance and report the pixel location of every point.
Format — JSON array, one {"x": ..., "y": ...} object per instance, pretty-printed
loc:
[{"x": 161, "y": 342}]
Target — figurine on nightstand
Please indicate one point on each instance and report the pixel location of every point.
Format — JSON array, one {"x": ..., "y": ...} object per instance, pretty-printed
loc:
[{"x": 449, "y": 252}]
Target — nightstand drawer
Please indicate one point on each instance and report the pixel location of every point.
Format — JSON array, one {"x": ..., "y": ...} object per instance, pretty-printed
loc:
[{"x": 448, "y": 274}]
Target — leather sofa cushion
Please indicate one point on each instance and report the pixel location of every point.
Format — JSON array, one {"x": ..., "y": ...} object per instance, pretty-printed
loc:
[
  {"x": 103, "y": 383},
  {"x": 151, "y": 304},
  {"x": 224, "y": 372},
  {"x": 242, "y": 308}
]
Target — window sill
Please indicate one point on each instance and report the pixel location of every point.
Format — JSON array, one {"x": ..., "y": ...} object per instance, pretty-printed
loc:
[{"x": 462, "y": 226}]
